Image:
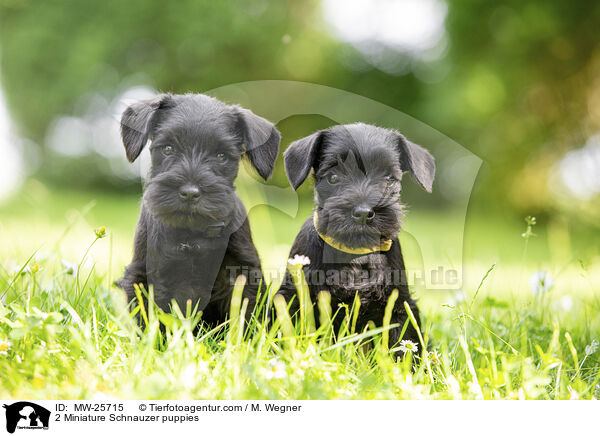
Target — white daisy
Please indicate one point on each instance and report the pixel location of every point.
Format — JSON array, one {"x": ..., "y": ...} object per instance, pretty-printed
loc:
[
  {"x": 70, "y": 267},
  {"x": 4, "y": 347},
  {"x": 275, "y": 370},
  {"x": 592, "y": 348},
  {"x": 299, "y": 259},
  {"x": 541, "y": 282},
  {"x": 407, "y": 345}
]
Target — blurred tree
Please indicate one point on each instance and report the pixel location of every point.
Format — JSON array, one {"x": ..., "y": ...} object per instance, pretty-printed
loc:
[{"x": 519, "y": 91}]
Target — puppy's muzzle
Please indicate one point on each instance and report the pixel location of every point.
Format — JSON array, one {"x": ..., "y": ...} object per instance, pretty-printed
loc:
[
  {"x": 363, "y": 214},
  {"x": 189, "y": 194}
]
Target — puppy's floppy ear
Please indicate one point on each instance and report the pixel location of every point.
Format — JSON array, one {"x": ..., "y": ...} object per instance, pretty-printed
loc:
[
  {"x": 300, "y": 156},
  {"x": 138, "y": 122},
  {"x": 417, "y": 161},
  {"x": 262, "y": 140}
]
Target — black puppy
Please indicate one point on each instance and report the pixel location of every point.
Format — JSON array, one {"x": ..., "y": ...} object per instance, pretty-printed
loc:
[
  {"x": 352, "y": 237},
  {"x": 193, "y": 234}
]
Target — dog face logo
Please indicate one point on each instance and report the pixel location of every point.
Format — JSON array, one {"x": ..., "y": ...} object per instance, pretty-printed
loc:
[
  {"x": 26, "y": 415},
  {"x": 456, "y": 172}
]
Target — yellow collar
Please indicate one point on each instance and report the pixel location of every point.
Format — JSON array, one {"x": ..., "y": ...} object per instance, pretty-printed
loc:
[{"x": 385, "y": 245}]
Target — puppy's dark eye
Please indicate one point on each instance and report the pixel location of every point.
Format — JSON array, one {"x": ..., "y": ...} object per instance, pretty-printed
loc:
[
  {"x": 333, "y": 178},
  {"x": 221, "y": 157},
  {"x": 167, "y": 150}
]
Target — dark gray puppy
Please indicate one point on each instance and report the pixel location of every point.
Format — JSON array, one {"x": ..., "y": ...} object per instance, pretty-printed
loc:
[
  {"x": 193, "y": 235},
  {"x": 352, "y": 237}
]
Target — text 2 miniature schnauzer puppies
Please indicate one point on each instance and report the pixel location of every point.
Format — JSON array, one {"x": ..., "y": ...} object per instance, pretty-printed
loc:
[
  {"x": 192, "y": 225},
  {"x": 352, "y": 237}
]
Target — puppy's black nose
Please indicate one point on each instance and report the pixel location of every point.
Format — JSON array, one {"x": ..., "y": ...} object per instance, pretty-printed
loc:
[
  {"x": 189, "y": 193},
  {"x": 363, "y": 215}
]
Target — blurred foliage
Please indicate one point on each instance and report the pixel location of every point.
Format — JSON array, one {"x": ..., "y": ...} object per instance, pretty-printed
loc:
[{"x": 518, "y": 84}]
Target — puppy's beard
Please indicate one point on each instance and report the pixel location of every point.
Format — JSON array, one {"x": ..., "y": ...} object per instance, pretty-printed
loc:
[
  {"x": 214, "y": 208},
  {"x": 337, "y": 223}
]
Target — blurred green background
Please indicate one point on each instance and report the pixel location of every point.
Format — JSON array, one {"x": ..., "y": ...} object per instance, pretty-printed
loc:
[{"x": 517, "y": 84}]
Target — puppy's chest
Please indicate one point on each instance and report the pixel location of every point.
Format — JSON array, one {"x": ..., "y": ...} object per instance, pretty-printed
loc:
[
  {"x": 185, "y": 254},
  {"x": 184, "y": 244},
  {"x": 370, "y": 275},
  {"x": 185, "y": 266},
  {"x": 195, "y": 247}
]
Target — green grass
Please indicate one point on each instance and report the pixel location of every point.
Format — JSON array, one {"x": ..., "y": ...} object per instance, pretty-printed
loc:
[{"x": 66, "y": 333}]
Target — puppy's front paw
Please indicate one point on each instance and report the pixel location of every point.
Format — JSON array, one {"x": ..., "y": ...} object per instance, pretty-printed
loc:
[{"x": 134, "y": 275}]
